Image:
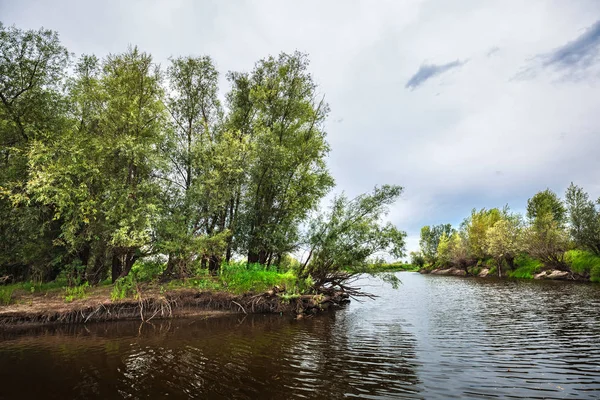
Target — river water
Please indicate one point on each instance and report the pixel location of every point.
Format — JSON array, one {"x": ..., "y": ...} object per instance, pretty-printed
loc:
[{"x": 435, "y": 337}]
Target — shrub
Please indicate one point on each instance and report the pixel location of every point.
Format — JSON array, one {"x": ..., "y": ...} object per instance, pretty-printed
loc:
[
  {"x": 76, "y": 292},
  {"x": 147, "y": 270},
  {"x": 6, "y": 295},
  {"x": 525, "y": 267},
  {"x": 583, "y": 262},
  {"x": 123, "y": 287}
]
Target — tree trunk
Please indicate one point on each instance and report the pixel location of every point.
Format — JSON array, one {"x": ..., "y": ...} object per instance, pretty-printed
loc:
[
  {"x": 117, "y": 265},
  {"x": 214, "y": 263}
]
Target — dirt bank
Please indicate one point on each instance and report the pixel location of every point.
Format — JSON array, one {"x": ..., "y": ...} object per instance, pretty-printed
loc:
[{"x": 32, "y": 310}]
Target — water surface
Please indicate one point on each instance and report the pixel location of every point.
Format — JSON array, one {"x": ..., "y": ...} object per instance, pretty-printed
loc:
[{"x": 435, "y": 337}]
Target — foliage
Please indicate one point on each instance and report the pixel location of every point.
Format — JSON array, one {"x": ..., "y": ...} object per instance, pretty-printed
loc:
[
  {"x": 417, "y": 259},
  {"x": 584, "y": 219},
  {"x": 350, "y": 233},
  {"x": 76, "y": 292},
  {"x": 583, "y": 262},
  {"x": 6, "y": 294},
  {"x": 476, "y": 228},
  {"x": 241, "y": 278},
  {"x": 114, "y": 167},
  {"x": 546, "y": 205},
  {"x": 504, "y": 240},
  {"x": 430, "y": 240},
  {"x": 525, "y": 267}
]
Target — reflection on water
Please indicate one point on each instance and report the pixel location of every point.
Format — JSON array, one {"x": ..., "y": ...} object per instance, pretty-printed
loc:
[{"x": 435, "y": 337}]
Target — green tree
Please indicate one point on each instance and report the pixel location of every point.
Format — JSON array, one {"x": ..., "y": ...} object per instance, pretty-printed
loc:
[
  {"x": 287, "y": 175},
  {"x": 204, "y": 167},
  {"x": 504, "y": 240},
  {"x": 584, "y": 219},
  {"x": 101, "y": 176},
  {"x": 32, "y": 107},
  {"x": 544, "y": 205},
  {"x": 476, "y": 227},
  {"x": 546, "y": 237},
  {"x": 342, "y": 240},
  {"x": 430, "y": 239}
]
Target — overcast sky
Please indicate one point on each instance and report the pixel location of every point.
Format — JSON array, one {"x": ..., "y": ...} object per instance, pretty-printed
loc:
[{"x": 464, "y": 103}]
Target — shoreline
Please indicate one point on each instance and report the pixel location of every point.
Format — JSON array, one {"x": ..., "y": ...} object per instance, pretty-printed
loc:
[
  {"x": 50, "y": 309},
  {"x": 549, "y": 274}
]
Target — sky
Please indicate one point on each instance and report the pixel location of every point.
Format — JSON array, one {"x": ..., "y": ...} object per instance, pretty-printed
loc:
[{"x": 466, "y": 104}]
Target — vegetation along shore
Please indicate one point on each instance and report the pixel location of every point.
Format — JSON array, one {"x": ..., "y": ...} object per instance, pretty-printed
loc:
[
  {"x": 557, "y": 239},
  {"x": 132, "y": 190}
]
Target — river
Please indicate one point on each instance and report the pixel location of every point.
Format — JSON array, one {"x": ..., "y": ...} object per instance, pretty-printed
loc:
[{"x": 435, "y": 337}]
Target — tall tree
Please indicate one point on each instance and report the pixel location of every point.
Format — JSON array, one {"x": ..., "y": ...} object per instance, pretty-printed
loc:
[
  {"x": 32, "y": 107},
  {"x": 584, "y": 219},
  {"x": 430, "y": 240},
  {"x": 202, "y": 159},
  {"x": 102, "y": 175},
  {"x": 546, "y": 237},
  {"x": 288, "y": 176}
]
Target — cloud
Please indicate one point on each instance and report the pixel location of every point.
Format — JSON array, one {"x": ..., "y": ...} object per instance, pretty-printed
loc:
[
  {"x": 445, "y": 149},
  {"x": 492, "y": 51},
  {"x": 577, "y": 54},
  {"x": 428, "y": 71}
]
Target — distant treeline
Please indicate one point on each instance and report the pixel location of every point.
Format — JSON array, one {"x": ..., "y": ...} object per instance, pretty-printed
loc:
[
  {"x": 106, "y": 162},
  {"x": 561, "y": 234}
]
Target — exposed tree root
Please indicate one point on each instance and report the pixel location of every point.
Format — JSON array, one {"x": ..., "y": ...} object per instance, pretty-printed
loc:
[{"x": 177, "y": 303}]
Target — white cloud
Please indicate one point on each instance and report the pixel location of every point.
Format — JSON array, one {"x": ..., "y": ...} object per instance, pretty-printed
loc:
[{"x": 472, "y": 137}]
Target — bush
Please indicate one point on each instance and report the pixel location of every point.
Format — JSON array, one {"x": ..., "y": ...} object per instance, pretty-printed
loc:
[
  {"x": 123, "y": 287},
  {"x": 525, "y": 267},
  {"x": 583, "y": 262},
  {"x": 147, "y": 270},
  {"x": 76, "y": 292},
  {"x": 239, "y": 277},
  {"x": 6, "y": 295}
]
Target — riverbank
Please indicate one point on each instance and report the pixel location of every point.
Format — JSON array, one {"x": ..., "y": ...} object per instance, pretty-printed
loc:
[
  {"x": 154, "y": 302},
  {"x": 549, "y": 274}
]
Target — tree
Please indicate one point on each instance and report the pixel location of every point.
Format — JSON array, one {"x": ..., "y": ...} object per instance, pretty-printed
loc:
[
  {"x": 584, "y": 219},
  {"x": 100, "y": 176},
  {"x": 476, "y": 227},
  {"x": 546, "y": 205},
  {"x": 430, "y": 239},
  {"x": 342, "y": 240},
  {"x": 202, "y": 168},
  {"x": 417, "y": 259},
  {"x": 504, "y": 240},
  {"x": 32, "y": 107},
  {"x": 546, "y": 237},
  {"x": 287, "y": 175}
]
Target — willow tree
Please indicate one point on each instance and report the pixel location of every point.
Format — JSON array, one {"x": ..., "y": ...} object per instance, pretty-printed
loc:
[
  {"x": 341, "y": 240},
  {"x": 288, "y": 176},
  {"x": 546, "y": 237},
  {"x": 204, "y": 166},
  {"x": 100, "y": 175},
  {"x": 32, "y": 108},
  {"x": 584, "y": 219}
]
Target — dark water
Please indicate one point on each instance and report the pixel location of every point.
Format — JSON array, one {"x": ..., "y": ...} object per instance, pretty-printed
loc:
[{"x": 435, "y": 337}]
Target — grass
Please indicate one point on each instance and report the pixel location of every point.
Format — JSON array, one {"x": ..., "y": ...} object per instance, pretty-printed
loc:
[
  {"x": 584, "y": 263},
  {"x": 6, "y": 294},
  {"x": 240, "y": 278},
  {"x": 526, "y": 267},
  {"x": 391, "y": 267},
  {"x": 76, "y": 292}
]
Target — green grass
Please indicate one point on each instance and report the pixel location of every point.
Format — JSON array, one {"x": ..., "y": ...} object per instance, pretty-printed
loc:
[
  {"x": 526, "y": 267},
  {"x": 240, "y": 278},
  {"x": 583, "y": 262},
  {"x": 76, "y": 292},
  {"x": 392, "y": 267},
  {"x": 6, "y": 295}
]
